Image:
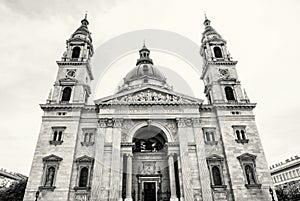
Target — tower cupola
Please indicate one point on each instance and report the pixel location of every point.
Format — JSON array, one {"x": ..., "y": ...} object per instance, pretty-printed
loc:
[{"x": 144, "y": 56}]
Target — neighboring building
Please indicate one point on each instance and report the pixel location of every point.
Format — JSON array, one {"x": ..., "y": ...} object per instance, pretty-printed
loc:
[
  {"x": 148, "y": 142},
  {"x": 7, "y": 178},
  {"x": 285, "y": 173}
]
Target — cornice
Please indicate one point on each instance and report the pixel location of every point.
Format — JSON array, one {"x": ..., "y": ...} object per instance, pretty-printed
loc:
[
  {"x": 75, "y": 63},
  {"x": 145, "y": 103},
  {"x": 235, "y": 105},
  {"x": 206, "y": 108},
  {"x": 68, "y": 106}
]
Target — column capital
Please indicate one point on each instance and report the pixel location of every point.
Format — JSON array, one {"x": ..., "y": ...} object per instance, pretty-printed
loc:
[
  {"x": 118, "y": 123},
  {"x": 184, "y": 122},
  {"x": 180, "y": 122},
  {"x": 196, "y": 122},
  {"x": 171, "y": 154},
  {"x": 110, "y": 122},
  {"x": 128, "y": 154}
]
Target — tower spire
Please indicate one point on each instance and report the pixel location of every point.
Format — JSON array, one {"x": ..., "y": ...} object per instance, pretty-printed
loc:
[{"x": 85, "y": 22}]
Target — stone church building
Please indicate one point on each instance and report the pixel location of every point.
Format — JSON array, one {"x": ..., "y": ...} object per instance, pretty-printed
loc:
[{"x": 148, "y": 142}]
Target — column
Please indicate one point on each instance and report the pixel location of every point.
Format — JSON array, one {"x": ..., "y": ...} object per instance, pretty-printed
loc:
[
  {"x": 172, "y": 177},
  {"x": 180, "y": 179},
  {"x": 129, "y": 178},
  {"x": 121, "y": 177}
]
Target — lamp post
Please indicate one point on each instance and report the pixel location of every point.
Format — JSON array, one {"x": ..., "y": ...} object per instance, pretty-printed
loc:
[
  {"x": 37, "y": 195},
  {"x": 271, "y": 192}
]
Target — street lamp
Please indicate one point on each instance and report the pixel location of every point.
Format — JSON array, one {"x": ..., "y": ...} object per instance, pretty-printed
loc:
[
  {"x": 37, "y": 195},
  {"x": 271, "y": 192}
]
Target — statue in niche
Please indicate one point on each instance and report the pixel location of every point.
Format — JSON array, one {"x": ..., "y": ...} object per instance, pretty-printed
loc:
[
  {"x": 249, "y": 174},
  {"x": 50, "y": 176}
]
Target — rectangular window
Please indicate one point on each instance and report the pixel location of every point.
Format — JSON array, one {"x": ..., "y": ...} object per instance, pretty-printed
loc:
[
  {"x": 240, "y": 134},
  {"x": 88, "y": 135},
  {"x": 210, "y": 135},
  {"x": 57, "y": 135}
]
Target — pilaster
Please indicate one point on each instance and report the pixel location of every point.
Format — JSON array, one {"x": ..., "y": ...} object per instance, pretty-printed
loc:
[
  {"x": 184, "y": 155},
  {"x": 98, "y": 166},
  {"x": 115, "y": 161},
  {"x": 202, "y": 164}
]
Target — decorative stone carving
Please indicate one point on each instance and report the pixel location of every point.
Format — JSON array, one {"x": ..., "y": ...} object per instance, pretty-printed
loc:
[
  {"x": 81, "y": 197},
  {"x": 185, "y": 122},
  {"x": 116, "y": 123},
  {"x": 171, "y": 125},
  {"x": 149, "y": 167},
  {"x": 149, "y": 96}
]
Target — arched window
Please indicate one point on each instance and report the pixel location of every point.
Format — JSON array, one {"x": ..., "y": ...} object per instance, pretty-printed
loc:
[
  {"x": 75, "y": 52},
  {"x": 229, "y": 93},
  {"x": 249, "y": 174},
  {"x": 66, "y": 94},
  {"x": 216, "y": 176},
  {"x": 50, "y": 176},
  {"x": 218, "y": 52},
  {"x": 83, "y": 178}
]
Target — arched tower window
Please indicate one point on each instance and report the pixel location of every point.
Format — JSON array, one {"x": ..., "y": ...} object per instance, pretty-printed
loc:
[
  {"x": 229, "y": 93},
  {"x": 66, "y": 94},
  {"x": 216, "y": 176},
  {"x": 50, "y": 176},
  {"x": 83, "y": 178},
  {"x": 75, "y": 52},
  {"x": 218, "y": 52}
]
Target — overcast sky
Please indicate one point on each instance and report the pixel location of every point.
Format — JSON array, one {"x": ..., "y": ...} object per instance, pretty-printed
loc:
[{"x": 262, "y": 35}]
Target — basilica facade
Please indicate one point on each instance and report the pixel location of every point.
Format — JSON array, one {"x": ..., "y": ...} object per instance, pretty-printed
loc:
[{"x": 147, "y": 142}]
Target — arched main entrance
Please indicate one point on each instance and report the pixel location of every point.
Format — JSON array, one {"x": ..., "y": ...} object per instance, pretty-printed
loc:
[{"x": 150, "y": 165}]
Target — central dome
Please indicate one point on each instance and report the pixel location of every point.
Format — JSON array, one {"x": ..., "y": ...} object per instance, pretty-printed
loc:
[{"x": 145, "y": 73}]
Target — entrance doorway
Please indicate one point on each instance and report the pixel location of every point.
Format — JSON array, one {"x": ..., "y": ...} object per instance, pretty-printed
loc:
[{"x": 149, "y": 191}]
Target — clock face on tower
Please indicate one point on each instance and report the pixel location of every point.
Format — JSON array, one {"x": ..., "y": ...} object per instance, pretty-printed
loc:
[
  {"x": 71, "y": 73},
  {"x": 224, "y": 73}
]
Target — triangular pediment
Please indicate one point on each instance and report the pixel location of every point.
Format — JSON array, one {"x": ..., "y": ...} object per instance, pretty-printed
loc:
[
  {"x": 215, "y": 157},
  {"x": 148, "y": 95},
  {"x": 67, "y": 81},
  {"x": 246, "y": 157},
  {"x": 52, "y": 158},
  {"x": 85, "y": 159}
]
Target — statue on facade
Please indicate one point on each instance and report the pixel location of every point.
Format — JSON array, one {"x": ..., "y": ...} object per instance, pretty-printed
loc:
[
  {"x": 249, "y": 175},
  {"x": 50, "y": 176}
]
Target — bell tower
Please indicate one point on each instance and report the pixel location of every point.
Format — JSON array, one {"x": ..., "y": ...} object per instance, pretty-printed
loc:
[
  {"x": 219, "y": 70},
  {"x": 72, "y": 84}
]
